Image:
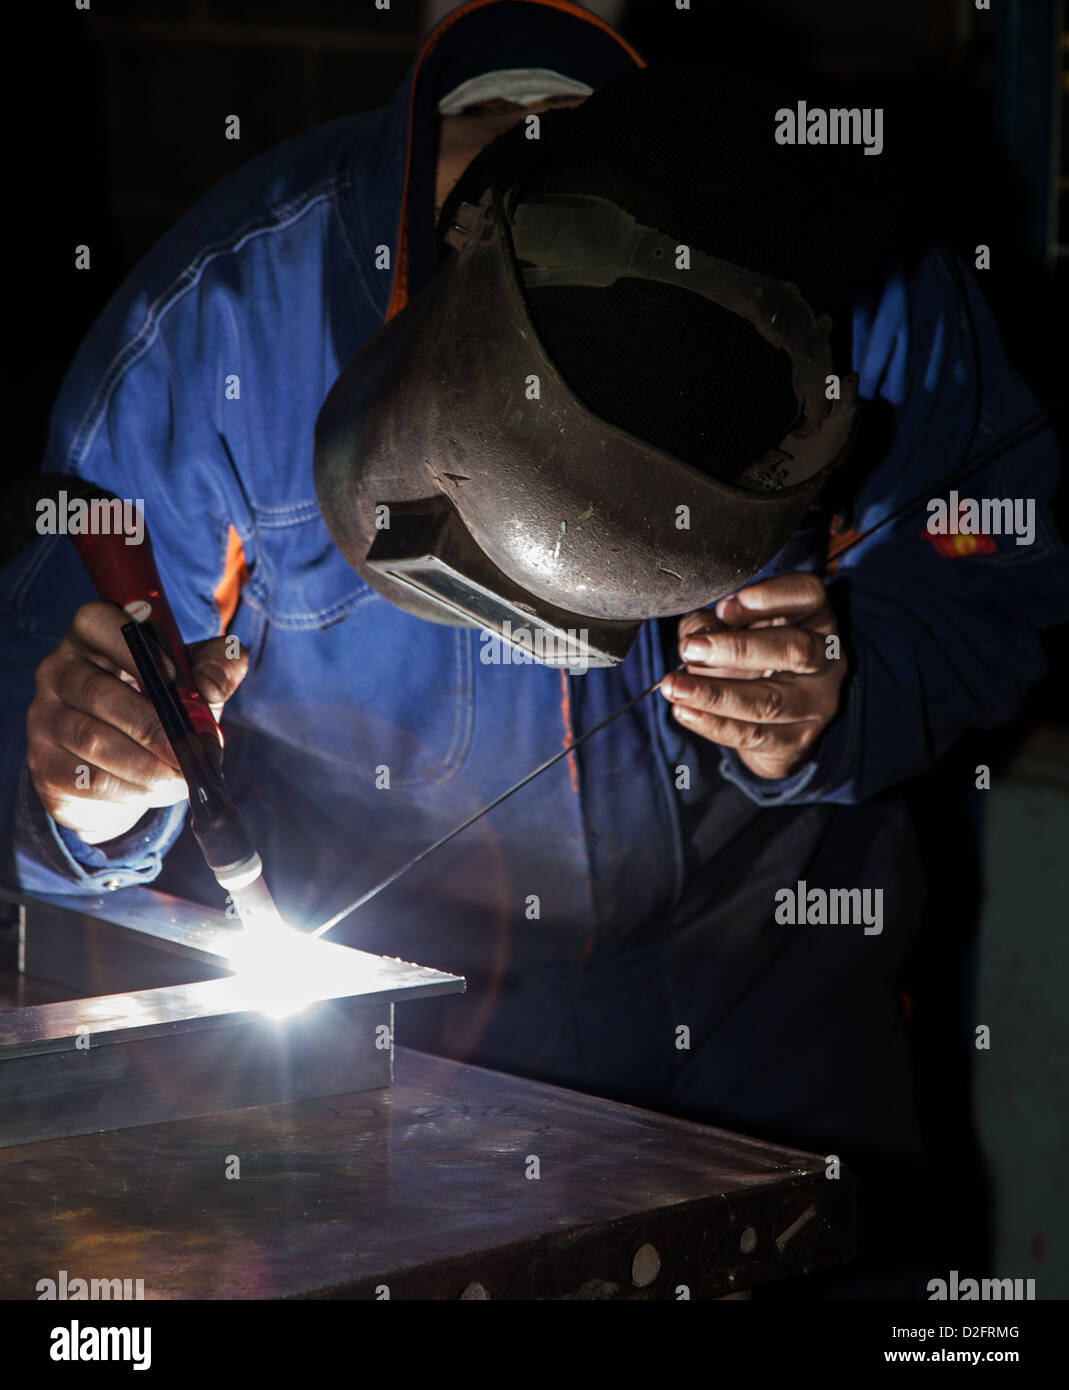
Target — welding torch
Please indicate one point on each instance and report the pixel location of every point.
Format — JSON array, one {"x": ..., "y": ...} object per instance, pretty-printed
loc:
[{"x": 126, "y": 575}]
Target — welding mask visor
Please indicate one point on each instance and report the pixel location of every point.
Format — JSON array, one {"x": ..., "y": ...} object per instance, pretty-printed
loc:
[{"x": 466, "y": 483}]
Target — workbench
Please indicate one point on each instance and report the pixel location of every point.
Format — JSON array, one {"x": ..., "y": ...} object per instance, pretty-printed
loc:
[
  {"x": 421, "y": 1190},
  {"x": 422, "y": 1178}
]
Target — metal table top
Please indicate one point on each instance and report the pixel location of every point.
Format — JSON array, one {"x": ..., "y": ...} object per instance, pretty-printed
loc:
[{"x": 423, "y": 1190}]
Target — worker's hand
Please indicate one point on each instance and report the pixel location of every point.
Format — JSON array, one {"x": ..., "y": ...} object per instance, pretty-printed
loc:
[
  {"x": 761, "y": 676},
  {"x": 95, "y": 748}
]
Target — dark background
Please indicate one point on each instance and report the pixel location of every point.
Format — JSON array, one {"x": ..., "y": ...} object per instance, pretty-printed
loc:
[{"x": 121, "y": 131}]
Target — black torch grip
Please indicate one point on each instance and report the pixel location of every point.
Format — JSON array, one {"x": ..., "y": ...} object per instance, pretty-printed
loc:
[{"x": 215, "y": 821}]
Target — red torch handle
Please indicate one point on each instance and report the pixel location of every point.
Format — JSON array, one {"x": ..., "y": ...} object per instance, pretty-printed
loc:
[{"x": 127, "y": 575}]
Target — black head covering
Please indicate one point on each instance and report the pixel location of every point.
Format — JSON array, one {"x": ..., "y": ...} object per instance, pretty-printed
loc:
[{"x": 691, "y": 152}]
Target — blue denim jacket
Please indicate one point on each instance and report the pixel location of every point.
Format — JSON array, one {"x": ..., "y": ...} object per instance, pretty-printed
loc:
[{"x": 271, "y": 281}]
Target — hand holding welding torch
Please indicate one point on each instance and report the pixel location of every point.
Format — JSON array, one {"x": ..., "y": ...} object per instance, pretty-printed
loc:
[
  {"x": 125, "y": 715},
  {"x": 96, "y": 749}
]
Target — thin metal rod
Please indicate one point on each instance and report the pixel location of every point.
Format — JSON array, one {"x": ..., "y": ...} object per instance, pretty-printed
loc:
[
  {"x": 452, "y": 834},
  {"x": 966, "y": 470}
]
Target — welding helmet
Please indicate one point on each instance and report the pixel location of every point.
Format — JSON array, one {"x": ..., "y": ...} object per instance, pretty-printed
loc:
[{"x": 465, "y": 482}]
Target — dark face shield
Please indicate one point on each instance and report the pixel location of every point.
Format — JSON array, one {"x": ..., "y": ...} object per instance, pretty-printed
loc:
[{"x": 463, "y": 480}]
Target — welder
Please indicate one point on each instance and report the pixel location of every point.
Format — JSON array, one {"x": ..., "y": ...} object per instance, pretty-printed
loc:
[{"x": 704, "y": 373}]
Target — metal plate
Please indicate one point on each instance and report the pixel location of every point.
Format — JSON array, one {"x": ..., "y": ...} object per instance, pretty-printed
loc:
[
  {"x": 139, "y": 919},
  {"x": 122, "y": 1018},
  {"x": 190, "y": 1048},
  {"x": 170, "y": 1073}
]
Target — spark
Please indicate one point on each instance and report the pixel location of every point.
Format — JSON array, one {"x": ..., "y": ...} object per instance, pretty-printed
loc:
[{"x": 284, "y": 970}]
